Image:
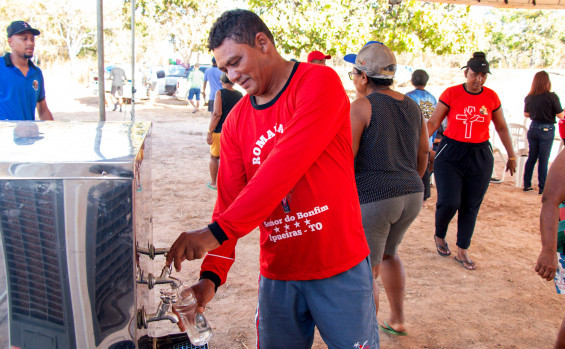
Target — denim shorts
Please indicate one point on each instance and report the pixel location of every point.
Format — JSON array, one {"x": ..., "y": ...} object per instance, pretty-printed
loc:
[{"x": 194, "y": 92}]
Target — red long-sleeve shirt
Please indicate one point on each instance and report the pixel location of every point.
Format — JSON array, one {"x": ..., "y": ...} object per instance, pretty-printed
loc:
[{"x": 295, "y": 153}]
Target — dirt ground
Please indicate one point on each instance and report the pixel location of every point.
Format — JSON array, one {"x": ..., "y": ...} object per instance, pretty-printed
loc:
[{"x": 503, "y": 304}]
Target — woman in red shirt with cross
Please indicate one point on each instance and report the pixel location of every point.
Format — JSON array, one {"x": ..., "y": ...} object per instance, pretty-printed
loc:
[{"x": 464, "y": 161}]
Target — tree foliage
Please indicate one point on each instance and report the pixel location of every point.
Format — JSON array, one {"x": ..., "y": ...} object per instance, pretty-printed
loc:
[
  {"x": 522, "y": 38},
  {"x": 345, "y": 26},
  {"x": 185, "y": 23},
  {"x": 515, "y": 38}
]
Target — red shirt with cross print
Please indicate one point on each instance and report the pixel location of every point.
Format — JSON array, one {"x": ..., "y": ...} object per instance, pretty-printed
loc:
[{"x": 469, "y": 114}]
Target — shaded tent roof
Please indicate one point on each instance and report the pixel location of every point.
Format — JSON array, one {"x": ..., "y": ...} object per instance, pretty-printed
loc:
[{"x": 525, "y": 4}]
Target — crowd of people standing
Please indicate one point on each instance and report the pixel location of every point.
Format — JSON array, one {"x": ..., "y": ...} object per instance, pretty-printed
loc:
[
  {"x": 296, "y": 134},
  {"x": 274, "y": 172}
]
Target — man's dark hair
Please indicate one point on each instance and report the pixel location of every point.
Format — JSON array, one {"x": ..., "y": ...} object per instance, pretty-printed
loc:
[
  {"x": 238, "y": 25},
  {"x": 420, "y": 78}
]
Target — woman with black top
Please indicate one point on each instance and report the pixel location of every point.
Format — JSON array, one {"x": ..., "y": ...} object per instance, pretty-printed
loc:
[
  {"x": 541, "y": 106},
  {"x": 464, "y": 161},
  {"x": 226, "y": 98},
  {"x": 390, "y": 145}
]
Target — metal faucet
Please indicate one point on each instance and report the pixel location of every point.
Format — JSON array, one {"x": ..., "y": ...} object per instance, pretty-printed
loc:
[
  {"x": 164, "y": 278},
  {"x": 162, "y": 312},
  {"x": 151, "y": 251}
]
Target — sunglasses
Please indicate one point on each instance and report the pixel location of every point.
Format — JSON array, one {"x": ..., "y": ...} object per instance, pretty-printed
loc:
[{"x": 350, "y": 74}]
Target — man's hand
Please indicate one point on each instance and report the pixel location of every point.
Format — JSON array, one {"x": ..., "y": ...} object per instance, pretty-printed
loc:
[
  {"x": 547, "y": 264},
  {"x": 204, "y": 291},
  {"x": 204, "y": 95},
  {"x": 511, "y": 166},
  {"x": 191, "y": 245}
]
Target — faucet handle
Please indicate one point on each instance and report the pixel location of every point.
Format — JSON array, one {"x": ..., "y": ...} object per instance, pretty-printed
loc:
[{"x": 168, "y": 297}]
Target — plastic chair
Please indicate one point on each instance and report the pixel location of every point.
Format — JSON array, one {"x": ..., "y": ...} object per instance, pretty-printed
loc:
[{"x": 519, "y": 135}]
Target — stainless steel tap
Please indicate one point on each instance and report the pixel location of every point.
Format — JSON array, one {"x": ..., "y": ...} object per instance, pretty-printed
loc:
[
  {"x": 162, "y": 313},
  {"x": 164, "y": 278}
]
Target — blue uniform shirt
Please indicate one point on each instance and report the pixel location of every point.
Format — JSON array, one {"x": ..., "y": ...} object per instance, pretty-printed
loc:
[
  {"x": 19, "y": 94},
  {"x": 212, "y": 75}
]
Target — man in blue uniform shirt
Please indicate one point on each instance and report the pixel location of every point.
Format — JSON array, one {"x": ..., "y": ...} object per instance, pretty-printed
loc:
[{"x": 21, "y": 82}]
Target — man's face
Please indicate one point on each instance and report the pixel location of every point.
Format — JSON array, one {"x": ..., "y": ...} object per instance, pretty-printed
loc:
[
  {"x": 22, "y": 44},
  {"x": 244, "y": 65}
]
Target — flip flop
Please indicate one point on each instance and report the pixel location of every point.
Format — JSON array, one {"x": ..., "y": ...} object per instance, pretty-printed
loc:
[
  {"x": 445, "y": 248},
  {"x": 213, "y": 187},
  {"x": 469, "y": 265},
  {"x": 391, "y": 330}
]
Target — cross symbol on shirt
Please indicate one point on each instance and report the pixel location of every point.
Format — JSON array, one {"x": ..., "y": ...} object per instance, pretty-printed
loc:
[{"x": 468, "y": 118}]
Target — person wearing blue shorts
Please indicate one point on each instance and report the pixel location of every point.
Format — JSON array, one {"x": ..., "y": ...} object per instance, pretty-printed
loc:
[
  {"x": 275, "y": 173},
  {"x": 195, "y": 80}
]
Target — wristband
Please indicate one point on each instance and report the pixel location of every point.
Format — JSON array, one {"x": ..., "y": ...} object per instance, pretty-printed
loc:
[
  {"x": 209, "y": 131},
  {"x": 514, "y": 158}
]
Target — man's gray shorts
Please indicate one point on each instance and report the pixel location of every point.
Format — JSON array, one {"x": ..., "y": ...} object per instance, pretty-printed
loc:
[
  {"x": 386, "y": 221},
  {"x": 341, "y": 307},
  {"x": 118, "y": 89}
]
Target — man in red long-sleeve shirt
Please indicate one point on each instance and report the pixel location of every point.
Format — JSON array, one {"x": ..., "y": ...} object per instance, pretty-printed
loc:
[{"x": 287, "y": 167}]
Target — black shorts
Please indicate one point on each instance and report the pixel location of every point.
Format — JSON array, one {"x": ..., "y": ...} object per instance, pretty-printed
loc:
[{"x": 211, "y": 105}]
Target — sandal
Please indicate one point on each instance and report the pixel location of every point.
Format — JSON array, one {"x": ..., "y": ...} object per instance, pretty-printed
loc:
[
  {"x": 444, "y": 250},
  {"x": 468, "y": 264},
  {"x": 386, "y": 328},
  {"x": 213, "y": 187}
]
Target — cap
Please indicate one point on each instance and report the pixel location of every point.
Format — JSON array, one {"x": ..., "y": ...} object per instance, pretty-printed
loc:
[
  {"x": 478, "y": 63},
  {"x": 317, "y": 55},
  {"x": 17, "y": 27},
  {"x": 350, "y": 57},
  {"x": 375, "y": 59}
]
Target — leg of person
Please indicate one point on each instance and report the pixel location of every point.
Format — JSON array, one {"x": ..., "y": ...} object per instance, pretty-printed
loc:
[
  {"x": 560, "y": 343},
  {"x": 533, "y": 153},
  {"x": 214, "y": 165},
  {"x": 343, "y": 308},
  {"x": 113, "y": 93},
  {"x": 449, "y": 181},
  {"x": 426, "y": 181},
  {"x": 211, "y": 106},
  {"x": 475, "y": 185},
  {"x": 191, "y": 94},
  {"x": 392, "y": 270},
  {"x": 282, "y": 318},
  {"x": 545, "y": 144},
  {"x": 120, "y": 96},
  {"x": 376, "y": 218},
  {"x": 214, "y": 159},
  {"x": 197, "y": 96}
]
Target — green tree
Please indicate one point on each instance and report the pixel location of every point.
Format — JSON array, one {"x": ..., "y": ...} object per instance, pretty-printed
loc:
[
  {"x": 525, "y": 38},
  {"x": 412, "y": 26},
  {"x": 185, "y": 23}
]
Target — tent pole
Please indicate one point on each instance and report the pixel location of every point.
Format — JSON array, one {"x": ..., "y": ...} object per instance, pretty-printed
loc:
[
  {"x": 100, "y": 53},
  {"x": 133, "y": 60}
]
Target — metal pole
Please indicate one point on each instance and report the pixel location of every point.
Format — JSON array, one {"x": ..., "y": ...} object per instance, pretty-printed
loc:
[
  {"x": 132, "y": 60},
  {"x": 100, "y": 52}
]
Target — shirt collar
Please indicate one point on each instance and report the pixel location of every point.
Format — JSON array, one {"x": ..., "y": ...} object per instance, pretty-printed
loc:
[{"x": 9, "y": 63}]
